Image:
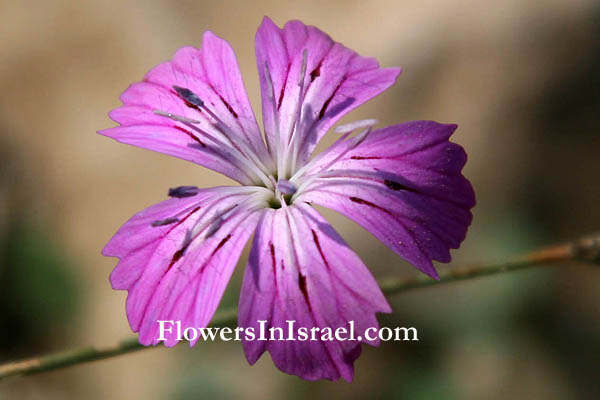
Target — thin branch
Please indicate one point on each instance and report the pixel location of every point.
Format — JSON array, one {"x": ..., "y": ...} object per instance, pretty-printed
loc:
[
  {"x": 87, "y": 354},
  {"x": 583, "y": 250}
]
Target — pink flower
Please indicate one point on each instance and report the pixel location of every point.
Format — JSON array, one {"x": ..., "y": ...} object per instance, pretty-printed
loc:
[{"x": 402, "y": 183}]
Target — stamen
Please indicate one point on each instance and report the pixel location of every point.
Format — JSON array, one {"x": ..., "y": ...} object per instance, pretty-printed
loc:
[
  {"x": 355, "y": 141},
  {"x": 175, "y": 117},
  {"x": 352, "y": 126},
  {"x": 189, "y": 122},
  {"x": 345, "y": 130},
  {"x": 222, "y": 147},
  {"x": 299, "y": 141},
  {"x": 358, "y": 139},
  {"x": 214, "y": 227},
  {"x": 256, "y": 200},
  {"x": 233, "y": 138},
  {"x": 183, "y": 191},
  {"x": 271, "y": 96},
  {"x": 272, "y": 178},
  {"x": 189, "y": 96},
  {"x": 251, "y": 164},
  {"x": 166, "y": 221},
  {"x": 186, "y": 241},
  {"x": 270, "y": 90},
  {"x": 284, "y": 203},
  {"x": 303, "y": 69},
  {"x": 295, "y": 134},
  {"x": 222, "y": 216}
]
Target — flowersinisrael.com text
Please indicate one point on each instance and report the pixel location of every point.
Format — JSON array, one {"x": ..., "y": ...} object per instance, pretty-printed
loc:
[{"x": 291, "y": 332}]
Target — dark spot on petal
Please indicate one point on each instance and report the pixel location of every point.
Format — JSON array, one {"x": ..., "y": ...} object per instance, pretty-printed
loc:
[
  {"x": 221, "y": 243},
  {"x": 176, "y": 257},
  {"x": 190, "y": 105},
  {"x": 191, "y": 135},
  {"x": 318, "y": 244},
  {"x": 368, "y": 203},
  {"x": 166, "y": 221},
  {"x": 197, "y": 146},
  {"x": 397, "y": 186},
  {"x": 179, "y": 253},
  {"x": 229, "y": 108},
  {"x": 273, "y": 261},
  {"x": 280, "y": 100},
  {"x": 183, "y": 191},
  {"x": 302, "y": 286},
  {"x": 365, "y": 158},
  {"x": 325, "y": 105},
  {"x": 316, "y": 72},
  {"x": 361, "y": 201}
]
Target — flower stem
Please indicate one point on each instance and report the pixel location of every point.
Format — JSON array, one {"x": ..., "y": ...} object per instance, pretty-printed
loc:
[{"x": 583, "y": 250}]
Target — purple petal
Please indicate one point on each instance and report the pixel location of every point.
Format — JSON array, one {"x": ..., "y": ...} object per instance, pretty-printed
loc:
[
  {"x": 300, "y": 269},
  {"x": 212, "y": 74},
  {"x": 404, "y": 185},
  {"x": 178, "y": 142},
  {"x": 179, "y": 271},
  {"x": 336, "y": 80}
]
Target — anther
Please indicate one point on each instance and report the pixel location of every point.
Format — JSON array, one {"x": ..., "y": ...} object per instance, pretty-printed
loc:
[
  {"x": 175, "y": 117},
  {"x": 183, "y": 191},
  {"x": 214, "y": 227},
  {"x": 303, "y": 69},
  {"x": 270, "y": 91},
  {"x": 166, "y": 221},
  {"x": 352, "y": 126},
  {"x": 187, "y": 240},
  {"x": 361, "y": 137},
  {"x": 189, "y": 96}
]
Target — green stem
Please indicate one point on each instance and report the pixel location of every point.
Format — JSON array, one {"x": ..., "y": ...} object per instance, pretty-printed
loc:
[{"x": 586, "y": 250}]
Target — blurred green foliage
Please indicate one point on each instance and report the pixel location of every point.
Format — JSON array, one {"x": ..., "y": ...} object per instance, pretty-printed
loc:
[{"x": 38, "y": 294}]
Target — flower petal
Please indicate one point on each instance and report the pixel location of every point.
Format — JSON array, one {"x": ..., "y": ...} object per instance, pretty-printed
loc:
[
  {"x": 335, "y": 81},
  {"x": 177, "y": 257},
  {"x": 301, "y": 270},
  {"x": 404, "y": 185},
  {"x": 212, "y": 74}
]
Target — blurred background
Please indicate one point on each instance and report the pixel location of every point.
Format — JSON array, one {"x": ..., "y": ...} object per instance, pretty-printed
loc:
[{"x": 521, "y": 79}]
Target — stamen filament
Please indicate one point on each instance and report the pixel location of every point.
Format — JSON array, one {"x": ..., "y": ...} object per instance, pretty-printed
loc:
[
  {"x": 294, "y": 139},
  {"x": 239, "y": 156},
  {"x": 346, "y": 130},
  {"x": 355, "y": 141},
  {"x": 175, "y": 117},
  {"x": 213, "y": 224},
  {"x": 232, "y": 137},
  {"x": 278, "y": 139}
]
